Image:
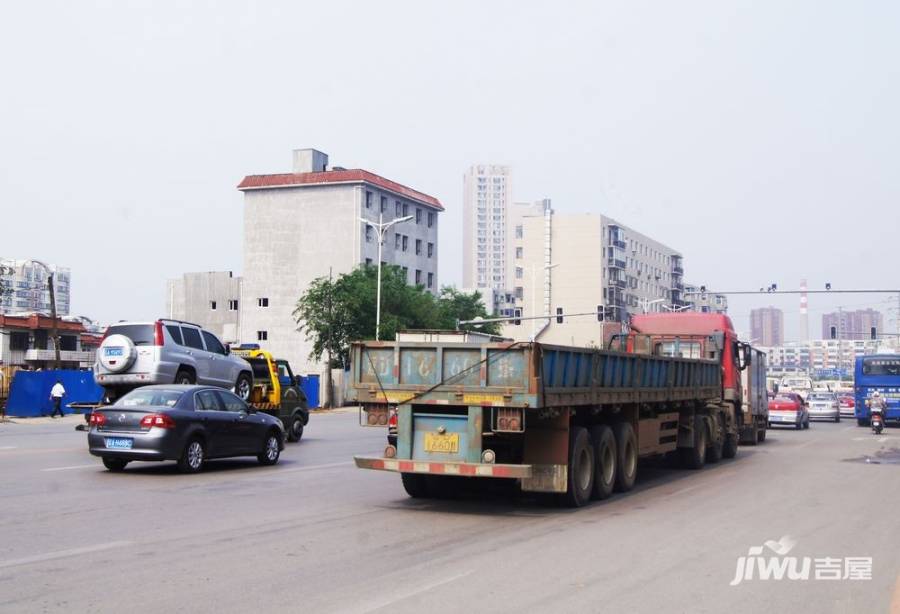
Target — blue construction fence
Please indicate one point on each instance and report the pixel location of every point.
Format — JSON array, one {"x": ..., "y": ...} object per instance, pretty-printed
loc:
[
  {"x": 309, "y": 384},
  {"x": 29, "y": 392}
]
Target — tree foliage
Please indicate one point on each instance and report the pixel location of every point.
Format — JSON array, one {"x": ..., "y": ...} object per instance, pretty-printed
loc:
[{"x": 335, "y": 312}]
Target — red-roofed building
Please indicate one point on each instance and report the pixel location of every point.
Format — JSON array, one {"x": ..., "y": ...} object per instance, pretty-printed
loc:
[
  {"x": 306, "y": 224},
  {"x": 26, "y": 341}
]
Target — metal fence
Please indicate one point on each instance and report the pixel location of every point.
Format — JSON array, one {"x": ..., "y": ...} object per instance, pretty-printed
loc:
[{"x": 29, "y": 392}]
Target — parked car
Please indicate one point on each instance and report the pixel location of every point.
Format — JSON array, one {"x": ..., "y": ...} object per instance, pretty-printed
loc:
[
  {"x": 847, "y": 406},
  {"x": 187, "y": 424},
  {"x": 788, "y": 408},
  {"x": 824, "y": 405},
  {"x": 136, "y": 354}
]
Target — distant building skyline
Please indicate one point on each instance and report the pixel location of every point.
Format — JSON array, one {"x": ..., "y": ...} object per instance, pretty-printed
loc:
[
  {"x": 24, "y": 285},
  {"x": 767, "y": 326},
  {"x": 856, "y": 324}
]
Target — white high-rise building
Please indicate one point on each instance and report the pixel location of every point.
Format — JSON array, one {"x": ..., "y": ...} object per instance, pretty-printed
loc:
[
  {"x": 23, "y": 287},
  {"x": 486, "y": 195}
]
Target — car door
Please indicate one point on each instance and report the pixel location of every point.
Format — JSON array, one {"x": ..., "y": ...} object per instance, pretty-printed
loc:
[
  {"x": 197, "y": 353},
  {"x": 219, "y": 367},
  {"x": 248, "y": 428},
  {"x": 217, "y": 423}
]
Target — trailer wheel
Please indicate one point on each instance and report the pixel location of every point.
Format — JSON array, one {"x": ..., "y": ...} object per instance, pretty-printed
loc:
[
  {"x": 626, "y": 457},
  {"x": 415, "y": 485},
  {"x": 604, "y": 443},
  {"x": 714, "y": 451},
  {"x": 693, "y": 457},
  {"x": 581, "y": 468}
]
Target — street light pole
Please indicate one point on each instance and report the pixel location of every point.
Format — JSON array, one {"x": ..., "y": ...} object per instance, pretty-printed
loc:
[
  {"x": 381, "y": 228},
  {"x": 54, "y": 330}
]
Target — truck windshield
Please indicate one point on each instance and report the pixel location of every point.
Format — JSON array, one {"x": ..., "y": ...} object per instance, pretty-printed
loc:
[{"x": 680, "y": 349}]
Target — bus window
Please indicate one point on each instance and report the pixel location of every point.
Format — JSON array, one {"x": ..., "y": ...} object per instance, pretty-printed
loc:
[{"x": 881, "y": 366}]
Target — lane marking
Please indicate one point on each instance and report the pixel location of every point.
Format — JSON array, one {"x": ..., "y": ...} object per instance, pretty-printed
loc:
[
  {"x": 314, "y": 467},
  {"x": 62, "y": 554},
  {"x": 8, "y": 447},
  {"x": 95, "y": 465},
  {"x": 378, "y": 605}
]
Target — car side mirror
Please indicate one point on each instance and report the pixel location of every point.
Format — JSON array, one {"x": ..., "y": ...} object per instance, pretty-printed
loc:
[
  {"x": 251, "y": 409},
  {"x": 227, "y": 349}
]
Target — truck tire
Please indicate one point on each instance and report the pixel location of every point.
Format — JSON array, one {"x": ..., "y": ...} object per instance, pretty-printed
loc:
[
  {"x": 761, "y": 433},
  {"x": 693, "y": 457},
  {"x": 730, "y": 446},
  {"x": 626, "y": 457},
  {"x": 604, "y": 442},
  {"x": 717, "y": 442},
  {"x": 581, "y": 468},
  {"x": 295, "y": 428},
  {"x": 415, "y": 485}
]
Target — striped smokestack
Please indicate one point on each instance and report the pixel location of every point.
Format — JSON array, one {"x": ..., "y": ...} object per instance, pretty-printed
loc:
[{"x": 804, "y": 313}]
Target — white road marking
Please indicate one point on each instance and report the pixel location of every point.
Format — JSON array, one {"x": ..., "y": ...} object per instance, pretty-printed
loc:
[
  {"x": 61, "y": 554},
  {"x": 385, "y": 602},
  {"x": 71, "y": 467},
  {"x": 881, "y": 439},
  {"x": 8, "y": 447},
  {"x": 314, "y": 467}
]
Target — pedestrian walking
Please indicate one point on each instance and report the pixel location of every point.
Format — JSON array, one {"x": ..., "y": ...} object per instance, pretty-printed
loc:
[{"x": 56, "y": 395}]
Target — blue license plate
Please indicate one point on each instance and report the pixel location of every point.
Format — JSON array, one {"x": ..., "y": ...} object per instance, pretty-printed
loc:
[
  {"x": 119, "y": 443},
  {"x": 112, "y": 351}
]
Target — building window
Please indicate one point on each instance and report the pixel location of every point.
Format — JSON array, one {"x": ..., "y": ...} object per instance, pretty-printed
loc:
[
  {"x": 262, "y": 335},
  {"x": 520, "y": 292},
  {"x": 418, "y": 277},
  {"x": 519, "y": 272},
  {"x": 430, "y": 250},
  {"x": 232, "y": 305},
  {"x": 418, "y": 216},
  {"x": 519, "y": 253},
  {"x": 369, "y": 233},
  {"x": 262, "y": 302},
  {"x": 405, "y": 209},
  {"x": 405, "y": 273},
  {"x": 398, "y": 209},
  {"x": 396, "y": 240},
  {"x": 383, "y": 204},
  {"x": 430, "y": 219},
  {"x": 519, "y": 232},
  {"x": 368, "y": 200},
  {"x": 431, "y": 280},
  {"x": 405, "y": 243},
  {"x": 212, "y": 305},
  {"x": 418, "y": 247}
]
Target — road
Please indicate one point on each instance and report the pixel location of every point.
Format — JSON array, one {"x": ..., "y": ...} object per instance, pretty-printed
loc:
[{"x": 315, "y": 534}]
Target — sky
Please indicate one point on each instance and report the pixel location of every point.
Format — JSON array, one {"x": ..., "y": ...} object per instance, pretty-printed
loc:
[{"x": 759, "y": 138}]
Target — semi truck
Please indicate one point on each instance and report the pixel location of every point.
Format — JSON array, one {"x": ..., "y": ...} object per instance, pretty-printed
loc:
[{"x": 570, "y": 421}]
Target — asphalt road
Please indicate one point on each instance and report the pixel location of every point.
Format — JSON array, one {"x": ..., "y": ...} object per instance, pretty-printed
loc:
[{"x": 315, "y": 534}]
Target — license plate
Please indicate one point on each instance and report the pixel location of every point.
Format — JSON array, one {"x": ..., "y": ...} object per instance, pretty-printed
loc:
[
  {"x": 119, "y": 443},
  {"x": 447, "y": 443},
  {"x": 112, "y": 351}
]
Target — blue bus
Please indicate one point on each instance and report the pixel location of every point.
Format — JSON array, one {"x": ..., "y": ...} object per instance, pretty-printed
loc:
[{"x": 879, "y": 372}]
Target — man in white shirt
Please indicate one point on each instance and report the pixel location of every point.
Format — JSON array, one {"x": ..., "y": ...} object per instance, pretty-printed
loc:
[{"x": 56, "y": 395}]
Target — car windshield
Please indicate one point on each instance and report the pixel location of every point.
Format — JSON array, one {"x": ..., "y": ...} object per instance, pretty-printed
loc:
[
  {"x": 784, "y": 400},
  {"x": 150, "y": 398},
  {"x": 140, "y": 334}
]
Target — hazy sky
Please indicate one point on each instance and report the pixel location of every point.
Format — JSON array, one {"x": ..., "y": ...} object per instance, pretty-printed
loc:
[{"x": 759, "y": 138}]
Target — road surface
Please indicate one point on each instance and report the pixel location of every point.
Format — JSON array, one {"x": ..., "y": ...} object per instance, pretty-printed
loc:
[{"x": 315, "y": 534}]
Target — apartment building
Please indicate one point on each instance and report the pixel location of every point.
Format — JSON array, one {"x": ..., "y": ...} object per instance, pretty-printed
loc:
[
  {"x": 211, "y": 299},
  {"x": 579, "y": 263},
  {"x": 698, "y": 299},
  {"x": 820, "y": 355},
  {"x": 305, "y": 224},
  {"x": 23, "y": 287},
  {"x": 857, "y": 324},
  {"x": 767, "y": 326}
]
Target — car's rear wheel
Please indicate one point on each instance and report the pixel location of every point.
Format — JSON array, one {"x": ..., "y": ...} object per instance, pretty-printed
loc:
[
  {"x": 271, "y": 450},
  {"x": 185, "y": 377},
  {"x": 192, "y": 458},
  {"x": 114, "y": 464},
  {"x": 295, "y": 430},
  {"x": 243, "y": 386}
]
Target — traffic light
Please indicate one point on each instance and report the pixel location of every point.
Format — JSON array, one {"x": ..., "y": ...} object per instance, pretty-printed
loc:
[
  {"x": 834, "y": 332},
  {"x": 518, "y": 314},
  {"x": 874, "y": 333},
  {"x": 600, "y": 314},
  {"x": 559, "y": 315}
]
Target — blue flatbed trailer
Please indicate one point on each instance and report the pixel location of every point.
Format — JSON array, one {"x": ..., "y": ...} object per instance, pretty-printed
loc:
[{"x": 558, "y": 419}]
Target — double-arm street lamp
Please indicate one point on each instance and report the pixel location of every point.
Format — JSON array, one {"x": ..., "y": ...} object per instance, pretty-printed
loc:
[{"x": 381, "y": 227}]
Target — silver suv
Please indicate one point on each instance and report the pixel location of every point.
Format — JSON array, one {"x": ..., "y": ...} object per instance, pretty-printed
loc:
[{"x": 135, "y": 354}]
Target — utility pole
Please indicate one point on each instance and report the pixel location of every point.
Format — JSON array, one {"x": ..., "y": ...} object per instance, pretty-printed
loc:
[
  {"x": 54, "y": 329},
  {"x": 329, "y": 385}
]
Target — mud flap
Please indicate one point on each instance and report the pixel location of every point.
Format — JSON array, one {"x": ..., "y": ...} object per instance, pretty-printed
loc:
[{"x": 547, "y": 451}]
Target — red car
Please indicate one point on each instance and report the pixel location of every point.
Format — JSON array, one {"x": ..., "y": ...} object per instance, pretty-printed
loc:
[
  {"x": 847, "y": 405},
  {"x": 788, "y": 408}
]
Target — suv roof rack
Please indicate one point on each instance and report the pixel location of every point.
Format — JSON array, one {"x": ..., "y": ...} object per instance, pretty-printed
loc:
[{"x": 179, "y": 322}]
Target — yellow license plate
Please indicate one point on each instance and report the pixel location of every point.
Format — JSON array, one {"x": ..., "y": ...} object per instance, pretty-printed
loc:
[{"x": 447, "y": 443}]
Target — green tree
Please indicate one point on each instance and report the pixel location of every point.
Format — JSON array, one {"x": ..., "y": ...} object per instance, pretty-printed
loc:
[{"x": 455, "y": 305}]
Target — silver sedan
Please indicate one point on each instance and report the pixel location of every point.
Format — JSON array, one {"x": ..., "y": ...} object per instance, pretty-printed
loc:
[{"x": 824, "y": 406}]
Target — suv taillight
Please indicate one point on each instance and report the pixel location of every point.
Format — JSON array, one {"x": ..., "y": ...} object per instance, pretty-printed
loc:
[
  {"x": 161, "y": 421},
  {"x": 97, "y": 419},
  {"x": 158, "y": 334},
  {"x": 392, "y": 421}
]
